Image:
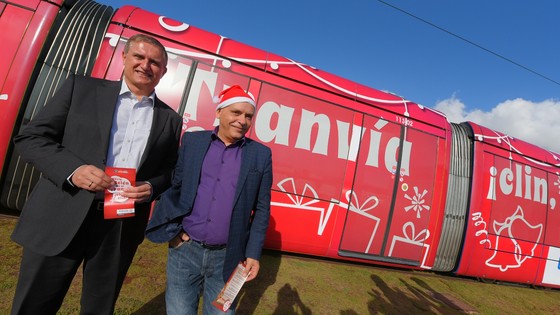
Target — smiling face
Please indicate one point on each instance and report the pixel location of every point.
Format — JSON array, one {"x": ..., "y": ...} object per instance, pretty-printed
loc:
[
  {"x": 235, "y": 121},
  {"x": 144, "y": 65}
]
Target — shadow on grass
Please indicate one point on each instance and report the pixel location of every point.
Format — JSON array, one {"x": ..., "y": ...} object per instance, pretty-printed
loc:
[
  {"x": 290, "y": 303},
  {"x": 453, "y": 302},
  {"x": 409, "y": 299},
  {"x": 155, "y": 306}
]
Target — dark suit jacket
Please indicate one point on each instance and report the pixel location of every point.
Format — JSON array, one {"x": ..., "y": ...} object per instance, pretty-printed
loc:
[
  {"x": 251, "y": 210},
  {"x": 74, "y": 129}
]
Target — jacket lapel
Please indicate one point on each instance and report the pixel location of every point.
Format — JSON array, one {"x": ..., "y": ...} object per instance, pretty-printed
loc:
[
  {"x": 247, "y": 158},
  {"x": 158, "y": 123},
  {"x": 107, "y": 94}
]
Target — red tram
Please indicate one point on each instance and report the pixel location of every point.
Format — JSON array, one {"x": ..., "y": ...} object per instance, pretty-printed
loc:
[{"x": 359, "y": 174}]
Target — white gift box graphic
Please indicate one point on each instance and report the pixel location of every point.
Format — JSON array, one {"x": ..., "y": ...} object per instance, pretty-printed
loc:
[
  {"x": 298, "y": 201},
  {"x": 288, "y": 186},
  {"x": 354, "y": 206},
  {"x": 410, "y": 237}
]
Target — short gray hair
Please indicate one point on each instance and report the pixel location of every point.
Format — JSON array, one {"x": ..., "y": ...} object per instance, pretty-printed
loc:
[{"x": 146, "y": 39}]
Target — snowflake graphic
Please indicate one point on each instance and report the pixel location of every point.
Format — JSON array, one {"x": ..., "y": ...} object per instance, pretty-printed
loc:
[{"x": 417, "y": 202}]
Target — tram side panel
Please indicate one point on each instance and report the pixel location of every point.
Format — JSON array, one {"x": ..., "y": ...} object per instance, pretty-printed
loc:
[
  {"x": 29, "y": 23},
  {"x": 549, "y": 269},
  {"x": 510, "y": 215}
]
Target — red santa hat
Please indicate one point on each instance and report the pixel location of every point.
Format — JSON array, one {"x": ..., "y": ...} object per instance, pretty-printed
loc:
[{"x": 232, "y": 95}]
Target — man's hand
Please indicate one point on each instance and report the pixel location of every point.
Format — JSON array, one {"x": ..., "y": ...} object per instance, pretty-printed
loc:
[
  {"x": 252, "y": 267},
  {"x": 141, "y": 193},
  {"x": 179, "y": 240},
  {"x": 91, "y": 178}
]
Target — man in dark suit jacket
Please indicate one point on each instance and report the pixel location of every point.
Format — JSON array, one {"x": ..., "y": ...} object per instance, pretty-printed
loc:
[
  {"x": 216, "y": 213},
  {"x": 87, "y": 125}
]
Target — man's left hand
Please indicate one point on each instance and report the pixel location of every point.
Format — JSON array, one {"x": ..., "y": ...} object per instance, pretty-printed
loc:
[
  {"x": 252, "y": 267},
  {"x": 140, "y": 193}
]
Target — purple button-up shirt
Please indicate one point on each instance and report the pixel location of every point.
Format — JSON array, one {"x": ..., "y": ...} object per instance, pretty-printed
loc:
[{"x": 213, "y": 205}]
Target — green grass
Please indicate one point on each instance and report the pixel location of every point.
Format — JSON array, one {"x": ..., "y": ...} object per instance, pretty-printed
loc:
[{"x": 289, "y": 284}]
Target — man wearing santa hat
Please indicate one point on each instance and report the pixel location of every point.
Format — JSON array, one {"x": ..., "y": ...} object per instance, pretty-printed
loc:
[{"x": 216, "y": 213}]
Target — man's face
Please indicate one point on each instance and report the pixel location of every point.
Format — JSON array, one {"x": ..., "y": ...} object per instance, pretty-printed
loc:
[
  {"x": 144, "y": 65},
  {"x": 235, "y": 121}
]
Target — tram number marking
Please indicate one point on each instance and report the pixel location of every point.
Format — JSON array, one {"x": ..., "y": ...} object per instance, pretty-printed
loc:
[{"x": 404, "y": 121}]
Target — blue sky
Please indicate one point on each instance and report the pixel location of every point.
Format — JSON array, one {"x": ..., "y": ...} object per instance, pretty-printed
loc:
[{"x": 375, "y": 43}]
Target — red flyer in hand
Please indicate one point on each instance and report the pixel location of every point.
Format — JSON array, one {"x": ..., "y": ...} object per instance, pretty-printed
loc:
[
  {"x": 231, "y": 288},
  {"x": 116, "y": 205}
]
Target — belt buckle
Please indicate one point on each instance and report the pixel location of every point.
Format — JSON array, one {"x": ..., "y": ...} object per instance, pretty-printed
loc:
[
  {"x": 209, "y": 246},
  {"x": 213, "y": 247}
]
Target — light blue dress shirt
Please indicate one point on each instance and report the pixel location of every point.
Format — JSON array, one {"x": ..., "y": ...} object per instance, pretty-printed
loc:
[{"x": 131, "y": 127}]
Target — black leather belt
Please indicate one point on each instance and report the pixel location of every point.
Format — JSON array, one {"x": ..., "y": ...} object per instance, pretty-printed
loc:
[
  {"x": 208, "y": 246},
  {"x": 97, "y": 205}
]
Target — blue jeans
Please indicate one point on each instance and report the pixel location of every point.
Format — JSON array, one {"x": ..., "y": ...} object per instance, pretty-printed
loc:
[{"x": 192, "y": 270}]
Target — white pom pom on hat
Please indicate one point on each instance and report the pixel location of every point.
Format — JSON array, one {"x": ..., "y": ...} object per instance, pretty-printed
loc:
[{"x": 232, "y": 95}]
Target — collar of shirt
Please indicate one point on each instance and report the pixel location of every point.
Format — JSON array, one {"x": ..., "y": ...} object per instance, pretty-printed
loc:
[
  {"x": 239, "y": 142},
  {"x": 125, "y": 92}
]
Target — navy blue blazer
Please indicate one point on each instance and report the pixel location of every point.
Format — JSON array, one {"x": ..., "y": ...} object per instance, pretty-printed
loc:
[
  {"x": 74, "y": 128},
  {"x": 251, "y": 211}
]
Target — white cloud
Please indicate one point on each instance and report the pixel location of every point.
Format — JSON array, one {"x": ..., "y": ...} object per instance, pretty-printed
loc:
[{"x": 535, "y": 122}]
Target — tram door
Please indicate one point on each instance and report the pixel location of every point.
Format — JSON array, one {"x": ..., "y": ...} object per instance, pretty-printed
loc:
[{"x": 389, "y": 207}]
